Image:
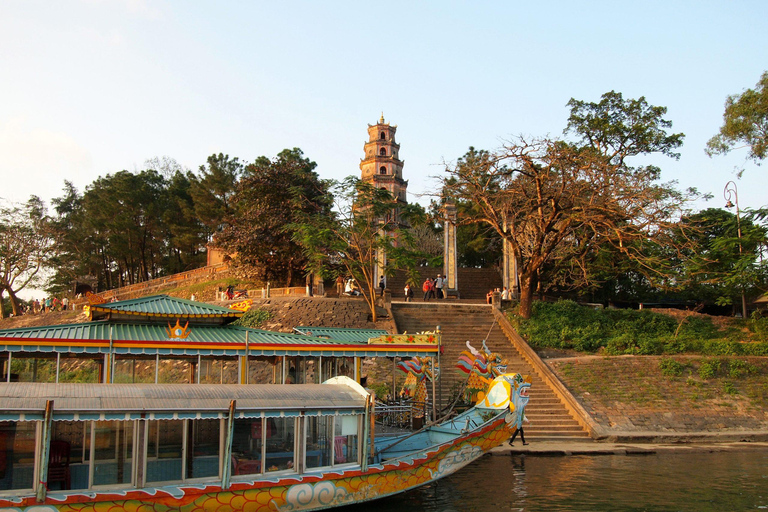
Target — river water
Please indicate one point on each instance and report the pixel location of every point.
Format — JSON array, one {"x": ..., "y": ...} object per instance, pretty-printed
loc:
[{"x": 671, "y": 481}]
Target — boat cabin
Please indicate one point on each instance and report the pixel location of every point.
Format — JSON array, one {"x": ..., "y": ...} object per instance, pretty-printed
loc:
[
  {"x": 161, "y": 339},
  {"x": 57, "y": 438}
]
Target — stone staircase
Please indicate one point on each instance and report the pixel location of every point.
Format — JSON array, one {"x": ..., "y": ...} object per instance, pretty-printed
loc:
[
  {"x": 474, "y": 283},
  {"x": 549, "y": 417}
]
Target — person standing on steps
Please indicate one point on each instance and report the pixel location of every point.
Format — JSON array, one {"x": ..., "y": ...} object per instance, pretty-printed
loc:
[
  {"x": 382, "y": 285},
  {"x": 439, "y": 287}
]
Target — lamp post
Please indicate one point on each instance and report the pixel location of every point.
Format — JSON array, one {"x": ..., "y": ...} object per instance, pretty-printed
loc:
[{"x": 730, "y": 191}]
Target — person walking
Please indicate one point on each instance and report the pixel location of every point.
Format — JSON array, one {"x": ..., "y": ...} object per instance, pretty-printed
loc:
[
  {"x": 339, "y": 285},
  {"x": 382, "y": 285},
  {"x": 519, "y": 430},
  {"x": 408, "y": 292}
]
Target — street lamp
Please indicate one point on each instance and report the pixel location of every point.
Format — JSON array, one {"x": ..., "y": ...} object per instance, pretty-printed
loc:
[{"x": 730, "y": 191}]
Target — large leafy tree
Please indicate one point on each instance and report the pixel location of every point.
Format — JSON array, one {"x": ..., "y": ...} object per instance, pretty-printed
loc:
[
  {"x": 125, "y": 228},
  {"x": 271, "y": 195},
  {"x": 214, "y": 189},
  {"x": 724, "y": 259},
  {"x": 562, "y": 205},
  {"x": 745, "y": 123},
  {"x": 25, "y": 246},
  {"x": 366, "y": 221}
]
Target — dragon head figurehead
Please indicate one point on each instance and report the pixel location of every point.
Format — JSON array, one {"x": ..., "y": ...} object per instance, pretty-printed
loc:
[{"x": 507, "y": 390}]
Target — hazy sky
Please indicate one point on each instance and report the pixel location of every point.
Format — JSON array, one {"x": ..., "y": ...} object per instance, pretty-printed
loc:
[{"x": 93, "y": 87}]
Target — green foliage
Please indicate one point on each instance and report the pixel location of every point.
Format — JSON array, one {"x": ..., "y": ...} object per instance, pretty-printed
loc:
[
  {"x": 759, "y": 325},
  {"x": 272, "y": 194},
  {"x": 254, "y": 318},
  {"x": 671, "y": 368},
  {"x": 744, "y": 123},
  {"x": 738, "y": 368},
  {"x": 729, "y": 388},
  {"x": 709, "y": 369},
  {"x": 380, "y": 388},
  {"x": 568, "y": 325}
]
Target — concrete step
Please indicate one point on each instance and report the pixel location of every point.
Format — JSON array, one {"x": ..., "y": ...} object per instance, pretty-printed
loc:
[{"x": 458, "y": 323}]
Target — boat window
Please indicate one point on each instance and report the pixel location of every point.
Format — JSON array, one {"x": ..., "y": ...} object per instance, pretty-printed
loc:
[
  {"x": 335, "y": 366},
  {"x": 204, "y": 443},
  {"x": 218, "y": 371},
  {"x": 247, "y": 444},
  {"x": 345, "y": 440},
  {"x": 68, "y": 461},
  {"x": 309, "y": 368},
  {"x": 17, "y": 454},
  {"x": 168, "y": 462},
  {"x": 112, "y": 451},
  {"x": 75, "y": 368},
  {"x": 176, "y": 371},
  {"x": 134, "y": 371},
  {"x": 319, "y": 441},
  {"x": 280, "y": 437},
  {"x": 33, "y": 369},
  {"x": 165, "y": 439}
]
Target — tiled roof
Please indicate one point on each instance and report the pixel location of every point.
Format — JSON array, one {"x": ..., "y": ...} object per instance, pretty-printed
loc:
[{"x": 162, "y": 306}]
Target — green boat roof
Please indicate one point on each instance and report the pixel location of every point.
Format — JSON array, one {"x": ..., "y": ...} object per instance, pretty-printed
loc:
[
  {"x": 161, "y": 307},
  {"x": 181, "y": 338},
  {"x": 341, "y": 334}
]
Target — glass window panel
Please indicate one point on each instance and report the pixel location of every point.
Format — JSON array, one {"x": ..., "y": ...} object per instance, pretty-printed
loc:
[
  {"x": 203, "y": 443},
  {"x": 246, "y": 446},
  {"x": 263, "y": 370},
  {"x": 176, "y": 371},
  {"x": 129, "y": 370},
  {"x": 75, "y": 369},
  {"x": 280, "y": 440},
  {"x": 319, "y": 441},
  {"x": 33, "y": 369},
  {"x": 68, "y": 461},
  {"x": 113, "y": 452},
  {"x": 165, "y": 439},
  {"x": 345, "y": 440},
  {"x": 17, "y": 454}
]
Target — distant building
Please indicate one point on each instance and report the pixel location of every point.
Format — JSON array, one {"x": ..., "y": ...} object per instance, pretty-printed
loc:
[{"x": 382, "y": 166}]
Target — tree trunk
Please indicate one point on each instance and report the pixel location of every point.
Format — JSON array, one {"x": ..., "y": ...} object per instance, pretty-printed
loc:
[
  {"x": 14, "y": 302},
  {"x": 527, "y": 287}
]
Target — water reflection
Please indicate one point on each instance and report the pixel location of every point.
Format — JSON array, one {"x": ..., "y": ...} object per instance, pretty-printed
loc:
[{"x": 699, "y": 481}]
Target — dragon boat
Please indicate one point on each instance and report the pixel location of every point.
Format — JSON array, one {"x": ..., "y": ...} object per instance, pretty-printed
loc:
[{"x": 155, "y": 447}]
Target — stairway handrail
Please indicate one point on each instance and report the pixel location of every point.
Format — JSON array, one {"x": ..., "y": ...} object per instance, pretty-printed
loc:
[{"x": 581, "y": 415}]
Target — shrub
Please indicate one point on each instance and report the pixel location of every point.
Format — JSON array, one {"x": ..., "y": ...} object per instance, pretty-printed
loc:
[
  {"x": 738, "y": 368},
  {"x": 709, "y": 369},
  {"x": 671, "y": 368},
  {"x": 253, "y": 318},
  {"x": 729, "y": 388}
]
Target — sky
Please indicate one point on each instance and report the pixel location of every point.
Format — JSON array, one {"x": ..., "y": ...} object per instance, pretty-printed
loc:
[{"x": 93, "y": 87}]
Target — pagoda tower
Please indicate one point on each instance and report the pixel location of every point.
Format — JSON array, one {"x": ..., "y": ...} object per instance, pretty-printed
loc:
[{"x": 381, "y": 165}]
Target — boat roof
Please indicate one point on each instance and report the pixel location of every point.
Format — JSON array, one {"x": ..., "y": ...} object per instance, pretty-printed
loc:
[
  {"x": 150, "y": 339},
  {"x": 340, "y": 334},
  {"x": 162, "y": 308},
  {"x": 73, "y": 401}
]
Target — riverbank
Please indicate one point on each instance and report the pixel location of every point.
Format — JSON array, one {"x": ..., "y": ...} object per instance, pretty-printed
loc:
[{"x": 559, "y": 448}]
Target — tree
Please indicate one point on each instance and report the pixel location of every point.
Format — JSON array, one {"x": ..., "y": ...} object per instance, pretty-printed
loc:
[
  {"x": 366, "y": 221},
  {"x": 271, "y": 196},
  {"x": 561, "y": 205},
  {"x": 25, "y": 245},
  {"x": 745, "y": 121},
  {"x": 214, "y": 189},
  {"x": 721, "y": 265}
]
